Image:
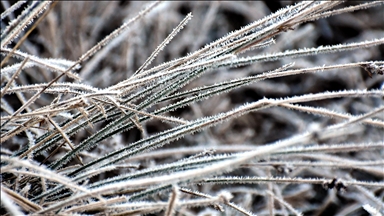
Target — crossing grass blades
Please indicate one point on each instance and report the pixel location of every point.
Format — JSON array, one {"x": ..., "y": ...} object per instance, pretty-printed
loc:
[{"x": 158, "y": 115}]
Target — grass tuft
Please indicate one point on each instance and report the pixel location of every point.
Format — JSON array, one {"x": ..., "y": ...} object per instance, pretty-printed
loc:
[{"x": 192, "y": 108}]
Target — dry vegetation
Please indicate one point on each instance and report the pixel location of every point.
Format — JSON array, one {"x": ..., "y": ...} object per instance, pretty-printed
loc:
[{"x": 192, "y": 108}]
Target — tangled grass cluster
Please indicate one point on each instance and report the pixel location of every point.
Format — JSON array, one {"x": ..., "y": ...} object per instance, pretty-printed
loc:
[{"x": 192, "y": 108}]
